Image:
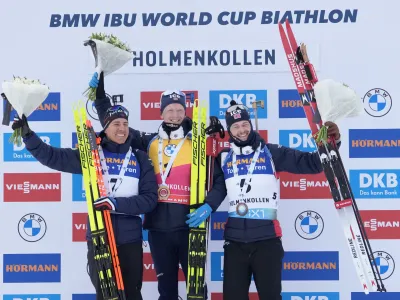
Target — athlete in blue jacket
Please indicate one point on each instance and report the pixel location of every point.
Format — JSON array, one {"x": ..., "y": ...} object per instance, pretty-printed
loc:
[
  {"x": 252, "y": 233},
  {"x": 170, "y": 151},
  {"x": 130, "y": 181}
]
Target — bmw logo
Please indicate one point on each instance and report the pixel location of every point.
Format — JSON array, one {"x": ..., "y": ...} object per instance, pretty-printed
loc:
[
  {"x": 169, "y": 150},
  {"x": 309, "y": 225},
  {"x": 377, "y": 102}
]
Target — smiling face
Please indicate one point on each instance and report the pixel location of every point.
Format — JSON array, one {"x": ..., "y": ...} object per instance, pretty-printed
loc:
[
  {"x": 118, "y": 130},
  {"x": 173, "y": 113},
  {"x": 240, "y": 130}
]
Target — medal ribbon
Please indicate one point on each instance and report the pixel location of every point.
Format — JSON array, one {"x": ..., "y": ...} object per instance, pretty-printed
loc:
[{"x": 164, "y": 174}]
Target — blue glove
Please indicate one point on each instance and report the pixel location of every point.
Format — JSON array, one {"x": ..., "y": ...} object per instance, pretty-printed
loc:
[
  {"x": 105, "y": 203},
  {"x": 94, "y": 82},
  {"x": 199, "y": 215}
]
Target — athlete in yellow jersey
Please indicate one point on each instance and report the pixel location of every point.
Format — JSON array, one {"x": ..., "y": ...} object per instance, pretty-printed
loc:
[{"x": 170, "y": 151}]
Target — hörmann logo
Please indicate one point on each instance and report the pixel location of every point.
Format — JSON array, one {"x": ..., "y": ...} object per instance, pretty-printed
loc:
[
  {"x": 290, "y": 104},
  {"x": 371, "y": 143},
  {"x": 20, "y": 268}
]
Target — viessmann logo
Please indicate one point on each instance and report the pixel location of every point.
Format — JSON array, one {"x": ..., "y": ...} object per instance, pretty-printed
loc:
[
  {"x": 304, "y": 186},
  {"x": 79, "y": 227},
  {"x": 150, "y": 104},
  {"x": 32, "y": 187},
  {"x": 149, "y": 272},
  {"x": 381, "y": 224}
]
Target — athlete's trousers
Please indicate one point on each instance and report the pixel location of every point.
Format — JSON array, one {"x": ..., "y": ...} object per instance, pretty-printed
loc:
[
  {"x": 168, "y": 249},
  {"x": 262, "y": 260},
  {"x": 131, "y": 264}
]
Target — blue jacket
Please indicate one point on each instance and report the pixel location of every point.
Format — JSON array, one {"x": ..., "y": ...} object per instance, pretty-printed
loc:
[
  {"x": 166, "y": 216},
  {"x": 250, "y": 230},
  {"x": 127, "y": 226}
]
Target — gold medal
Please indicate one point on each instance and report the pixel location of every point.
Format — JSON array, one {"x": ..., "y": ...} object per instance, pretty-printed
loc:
[{"x": 163, "y": 192}]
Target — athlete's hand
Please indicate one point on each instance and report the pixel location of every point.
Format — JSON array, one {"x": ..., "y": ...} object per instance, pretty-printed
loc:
[
  {"x": 105, "y": 203},
  {"x": 23, "y": 124},
  {"x": 333, "y": 130},
  {"x": 199, "y": 215}
]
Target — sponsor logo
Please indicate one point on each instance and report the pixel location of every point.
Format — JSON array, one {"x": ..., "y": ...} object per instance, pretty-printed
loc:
[
  {"x": 151, "y": 107},
  {"x": 32, "y": 227},
  {"x": 290, "y": 296},
  {"x": 302, "y": 265},
  {"x": 219, "y": 296},
  {"x": 220, "y": 101},
  {"x": 312, "y": 265},
  {"x": 218, "y": 221},
  {"x": 149, "y": 272},
  {"x": 310, "y": 296},
  {"x": 79, "y": 227},
  {"x": 290, "y": 104},
  {"x": 385, "y": 263},
  {"x": 19, "y": 153},
  {"x": 309, "y": 225},
  {"x": 78, "y": 188},
  {"x": 381, "y": 224},
  {"x": 49, "y": 110},
  {"x": 19, "y": 268},
  {"x": 83, "y": 296},
  {"x": 375, "y": 296},
  {"x": 33, "y": 297},
  {"x": 32, "y": 187},
  {"x": 297, "y": 139},
  {"x": 375, "y": 183},
  {"x": 370, "y": 143},
  {"x": 377, "y": 102},
  {"x": 224, "y": 143},
  {"x": 304, "y": 186}
]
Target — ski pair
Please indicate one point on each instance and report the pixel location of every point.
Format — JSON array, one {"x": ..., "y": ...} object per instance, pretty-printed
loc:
[
  {"x": 305, "y": 77},
  {"x": 204, "y": 151},
  {"x": 104, "y": 246}
]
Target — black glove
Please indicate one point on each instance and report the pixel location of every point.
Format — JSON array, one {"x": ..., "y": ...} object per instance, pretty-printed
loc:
[{"x": 23, "y": 124}]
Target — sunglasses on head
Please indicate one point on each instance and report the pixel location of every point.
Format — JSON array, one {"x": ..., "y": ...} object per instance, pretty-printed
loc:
[
  {"x": 236, "y": 107},
  {"x": 171, "y": 92},
  {"x": 118, "y": 109}
]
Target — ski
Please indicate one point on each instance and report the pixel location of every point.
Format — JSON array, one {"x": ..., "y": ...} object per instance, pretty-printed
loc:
[
  {"x": 197, "y": 236},
  {"x": 204, "y": 152},
  {"x": 105, "y": 253},
  {"x": 305, "y": 77}
]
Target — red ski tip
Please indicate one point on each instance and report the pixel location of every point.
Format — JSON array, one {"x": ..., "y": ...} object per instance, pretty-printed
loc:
[
  {"x": 373, "y": 283},
  {"x": 365, "y": 286}
]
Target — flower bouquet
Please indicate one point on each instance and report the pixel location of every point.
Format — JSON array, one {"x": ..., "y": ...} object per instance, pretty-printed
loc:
[
  {"x": 25, "y": 95},
  {"x": 335, "y": 101},
  {"x": 110, "y": 54}
]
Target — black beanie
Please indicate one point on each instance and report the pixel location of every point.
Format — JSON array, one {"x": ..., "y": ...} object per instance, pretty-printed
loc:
[
  {"x": 170, "y": 97},
  {"x": 236, "y": 113},
  {"x": 115, "y": 112}
]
